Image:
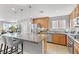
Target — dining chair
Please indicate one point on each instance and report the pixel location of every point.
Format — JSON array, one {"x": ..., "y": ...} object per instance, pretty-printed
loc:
[
  {"x": 2, "y": 45},
  {"x": 12, "y": 45}
]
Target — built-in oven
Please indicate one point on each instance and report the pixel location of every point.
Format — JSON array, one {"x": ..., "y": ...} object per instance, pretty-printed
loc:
[{"x": 70, "y": 45}]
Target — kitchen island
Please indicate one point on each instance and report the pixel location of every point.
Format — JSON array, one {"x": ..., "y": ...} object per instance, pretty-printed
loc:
[
  {"x": 38, "y": 46},
  {"x": 31, "y": 43}
]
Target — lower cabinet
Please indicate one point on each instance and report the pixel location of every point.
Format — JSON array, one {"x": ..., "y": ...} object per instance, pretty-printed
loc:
[
  {"x": 44, "y": 43},
  {"x": 59, "y": 39},
  {"x": 76, "y": 48}
]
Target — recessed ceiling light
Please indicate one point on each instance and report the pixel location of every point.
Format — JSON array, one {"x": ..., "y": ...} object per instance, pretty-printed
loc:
[
  {"x": 13, "y": 9},
  {"x": 57, "y": 11}
]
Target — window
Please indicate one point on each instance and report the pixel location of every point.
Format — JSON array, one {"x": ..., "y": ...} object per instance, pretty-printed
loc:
[
  {"x": 55, "y": 24},
  {"x": 8, "y": 26},
  {"x": 58, "y": 24},
  {"x": 62, "y": 24}
]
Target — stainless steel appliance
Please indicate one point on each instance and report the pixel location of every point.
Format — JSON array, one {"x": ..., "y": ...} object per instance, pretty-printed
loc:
[{"x": 70, "y": 45}]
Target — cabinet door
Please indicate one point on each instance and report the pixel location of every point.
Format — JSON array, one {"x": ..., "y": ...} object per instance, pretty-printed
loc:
[
  {"x": 42, "y": 21},
  {"x": 59, "y": 39},
  {"x": 76, "y": 48},
  {"x": 62, "y": 39},
  {"x": 77, "y": 11},
  {"x": 55, "y": 38},
  {"x": 71, "y": 16}
]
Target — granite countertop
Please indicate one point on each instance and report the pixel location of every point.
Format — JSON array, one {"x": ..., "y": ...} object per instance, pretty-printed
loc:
[
  {"x": 77, "y": 40},
  {"x": 68, "y": 34},
  {"x": 37, "y": 38},
  {"x": 52, "y": 32},
  {"x": 74, "y": 39},
  {"x": 34, "y": 38}
]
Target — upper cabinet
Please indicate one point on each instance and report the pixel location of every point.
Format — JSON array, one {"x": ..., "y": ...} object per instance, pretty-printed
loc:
[
  {"x": 74, "y": 13},
  {"x": 42, "y": 21},
  {"x": 73, "y": 17}
]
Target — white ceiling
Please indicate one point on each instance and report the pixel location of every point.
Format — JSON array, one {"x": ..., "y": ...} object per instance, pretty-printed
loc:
[{"x": 36, "y": 10}]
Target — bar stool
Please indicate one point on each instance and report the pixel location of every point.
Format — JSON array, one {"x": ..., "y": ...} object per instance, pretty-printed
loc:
[
  {"x": 12, "y": 45},
  {"x": 2, "y": 45}
]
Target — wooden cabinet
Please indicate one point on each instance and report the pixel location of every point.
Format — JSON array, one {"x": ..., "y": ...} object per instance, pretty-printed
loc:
[
  {"x": 44, "y": 43},
  {"x": 74, "y": 13},
  {"x": 71, "y": 16},
  {"x": 42, "y": 21},
  {"x": 76, "y": 48},
  {"x": 55, "y": 38},
  {"x": 59, "y": 39},
  {"x": 77, "y": 11}
]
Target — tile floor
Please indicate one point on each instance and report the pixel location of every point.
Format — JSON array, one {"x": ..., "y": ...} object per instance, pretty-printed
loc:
[{"x": 56, "y": 49}]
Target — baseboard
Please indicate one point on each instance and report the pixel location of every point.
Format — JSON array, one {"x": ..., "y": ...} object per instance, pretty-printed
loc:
[
  {"x": 56, "y": 43},
  {"x": 49, "y": 42}
]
